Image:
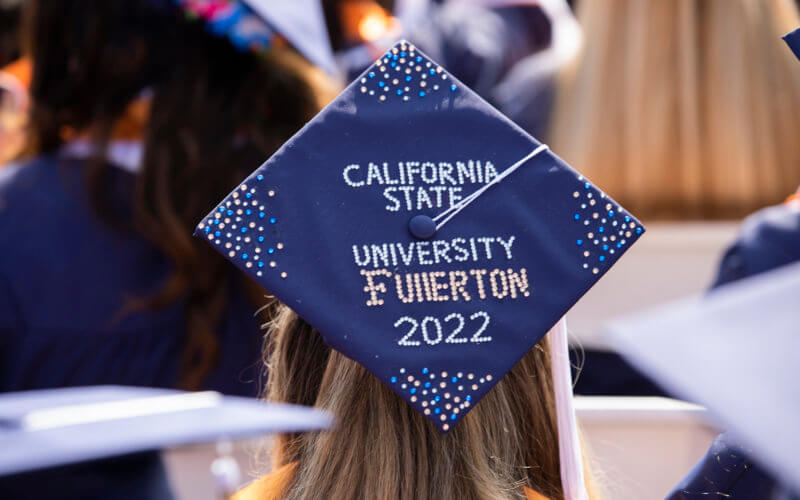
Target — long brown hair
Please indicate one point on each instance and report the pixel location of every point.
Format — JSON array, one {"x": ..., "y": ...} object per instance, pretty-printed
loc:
[
  {"x": 684, "y": 108},
  {"x": 215, "y": 114},
  {"x": 384, "y": 449}
]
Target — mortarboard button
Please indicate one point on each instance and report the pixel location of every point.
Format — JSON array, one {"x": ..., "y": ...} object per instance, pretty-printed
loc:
[
  {"x": 424, "y": 234},
  {"x": 422, "y": 227}
]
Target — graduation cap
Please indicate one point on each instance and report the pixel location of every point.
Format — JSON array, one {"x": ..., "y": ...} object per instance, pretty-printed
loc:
[
  {"x": 257, "y": 23},
  {"x": 424, "y": 234},
  {"x": 792, "y": 39},
  {"x": 47, "y": 428},
  {"x": 733, "y": 350}
]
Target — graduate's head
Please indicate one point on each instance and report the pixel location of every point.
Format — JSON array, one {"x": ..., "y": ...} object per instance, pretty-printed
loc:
[
  {"x": 206, "y": 111},
  {"x": 384, "y": 448}
]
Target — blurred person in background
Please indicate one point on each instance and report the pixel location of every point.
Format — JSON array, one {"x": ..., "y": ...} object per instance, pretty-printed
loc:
[
  {"x": 684, "y": 109},
  {"x": 508, "y": 51},
  {"x": 140, "y": 119}
]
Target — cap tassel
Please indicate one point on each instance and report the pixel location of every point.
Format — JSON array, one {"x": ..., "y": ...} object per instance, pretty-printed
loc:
[{"x": 569, "y": 446}]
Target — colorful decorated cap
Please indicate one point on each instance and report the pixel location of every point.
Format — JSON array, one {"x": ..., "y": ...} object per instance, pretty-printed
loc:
[
  {"x": 792, "y": 39},
  {"x": 259, "y": 24},
  {"x": 424, "y": 234}
]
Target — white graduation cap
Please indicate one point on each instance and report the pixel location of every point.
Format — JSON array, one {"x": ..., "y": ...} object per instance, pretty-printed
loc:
[
  {"x": 47, "y": 428},
  {"x": 302, "y": 23},
  {"x": 736, "y": 351}
]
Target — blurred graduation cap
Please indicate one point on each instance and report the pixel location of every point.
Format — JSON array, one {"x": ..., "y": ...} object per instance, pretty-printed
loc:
[
  {"x": 48, "y": 428},
  {"x": 425, "y": 235},
  {"x": 792, "y": 39},
  {"x": 734, "y": 350},
  {"x": 260, "y": 23}
]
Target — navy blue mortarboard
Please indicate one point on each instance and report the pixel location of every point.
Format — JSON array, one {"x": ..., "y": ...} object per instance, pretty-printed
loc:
[
  {"x": 47, "y": 428},
  {"x": 425, "y": 235},
  {"x": 792, "y": 39}
]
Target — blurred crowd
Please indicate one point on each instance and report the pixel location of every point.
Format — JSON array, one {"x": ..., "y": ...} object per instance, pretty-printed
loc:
[{"x": 123, "y": 122}]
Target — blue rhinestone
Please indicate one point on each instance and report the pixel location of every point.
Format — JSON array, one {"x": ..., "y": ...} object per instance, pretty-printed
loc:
[
  {"x": 208, "y": 229},
  {"x": 468, "y": 398},
  {"x": 638, "y": 230},
  {"x": 248, "y": 195},
  {"x": 273, "y": 220},
  {"x": 453, "y": 88},
  {"x": 393, "y": 64},
  {"x": 402, "y": 54},
  {"x": 393, "y": 380},
  {"x": 576, "y": 216},
  {"x": 260, "y": 177},
  {"x": 453, "y": 416},
  {"x": 399, "y": 92},
  {"x": 425, "y": 371},
  {"x": 271, "y": 250},
  {"x": 260, "y": 264},
  {"x": 261, "y": 215},
  {"x": 437, "y": 411},
  {"x": 432, "y": 72},
  {"x": 611, "y": 213},
  {"x": 381, "y": 84},
  {"x": 244, "y": 256},
  {"x": 413, "y": 391},
  {"x": 419, "y": 59},
  {"x": 437, "y": 398},
  {"x": 427, "y": 385},
  {"x": 421, "y": 93},
  {"x": 602, "y": 258},
  {"x": 454, "y": 380},
  {"x": 217, "y": 234},
  {"x": 260, "y": 239},
  {"x": 601, "y": 230},
  {"x": 394, "y": 57},
  {"x": 587, "y": 185},
  {"x": 605, "y": 247},
  {"x": 244, "y": 230},
  {"x": 221, "y": 209},
  {"x": 371, "y": 74},
  {"x": 230, "y": 212},
  {"x": 619, "y": 245},
  {"x": 248, "y": 212},
  {"x": 627, "y": 219},
  {"x": 579, "y": 242}
]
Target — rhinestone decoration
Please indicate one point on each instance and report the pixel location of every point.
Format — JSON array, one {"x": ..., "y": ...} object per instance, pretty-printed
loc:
[
  {"x": 607, "y": 227},
  {"x": 404, "y": 74},
  {"x": 240, "y": 226}
]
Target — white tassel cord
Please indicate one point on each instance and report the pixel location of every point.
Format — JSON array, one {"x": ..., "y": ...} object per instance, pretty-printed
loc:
[
  {"x": 569, "y": 446},
  {"x": 455, "y": 209}
]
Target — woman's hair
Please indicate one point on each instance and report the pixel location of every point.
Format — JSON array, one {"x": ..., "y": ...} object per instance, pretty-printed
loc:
[
  {"x": 684, "y": 108},
  {"x": 215, "y": 114},
  {"x": 384, "y": 449}
]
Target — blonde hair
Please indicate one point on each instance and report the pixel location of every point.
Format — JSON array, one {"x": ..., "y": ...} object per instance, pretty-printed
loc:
[
  {"x": 383, "y": 449},
  {"x": 684, "y": 108}
]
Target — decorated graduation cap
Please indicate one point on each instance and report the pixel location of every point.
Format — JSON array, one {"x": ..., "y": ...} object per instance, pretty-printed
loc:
[
  {"x": 425, "y": 236},
  {"x": 260, "y": 24}
]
